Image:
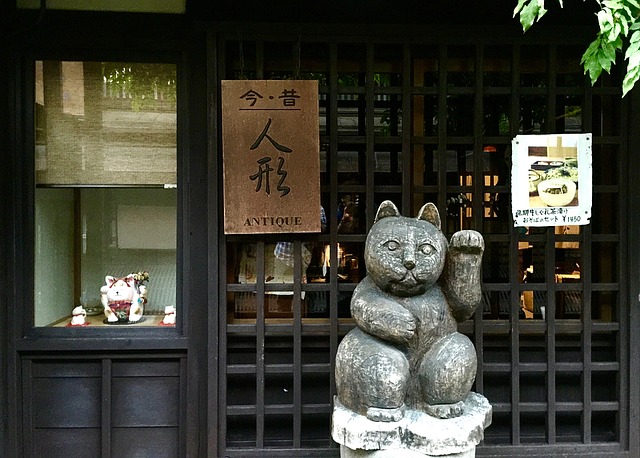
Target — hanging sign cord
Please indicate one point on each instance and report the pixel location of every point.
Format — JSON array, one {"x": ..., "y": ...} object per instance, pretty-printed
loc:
[
  {"x": 297, "y": 57},
  {"x": 241, "y": 55}
]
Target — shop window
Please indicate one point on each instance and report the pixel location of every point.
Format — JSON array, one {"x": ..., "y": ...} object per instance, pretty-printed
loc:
[
  {"x": 106, "y": 193},
  {"x": 275, "y": 269},
  {"x": 433, "y": 122}
]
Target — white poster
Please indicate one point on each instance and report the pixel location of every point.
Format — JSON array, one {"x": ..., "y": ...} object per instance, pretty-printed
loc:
[{"x": 551, "y": 179}]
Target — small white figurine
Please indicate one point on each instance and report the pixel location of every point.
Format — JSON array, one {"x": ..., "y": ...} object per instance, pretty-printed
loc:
[
  {"x": 169, "y": 315},
  {"x": 78, "y": 316},
  {"x": 123, "y": 299}
]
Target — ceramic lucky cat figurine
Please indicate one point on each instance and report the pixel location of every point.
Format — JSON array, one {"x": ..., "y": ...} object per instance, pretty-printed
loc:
[
  {"x": 123, "y": 299},
  {"x": 405, "y": 351}
]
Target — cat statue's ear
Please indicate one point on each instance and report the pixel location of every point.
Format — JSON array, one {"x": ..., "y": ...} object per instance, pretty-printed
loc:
[
  {"x": 386, "y": 208},
  {"x": 429, "y": 212}
]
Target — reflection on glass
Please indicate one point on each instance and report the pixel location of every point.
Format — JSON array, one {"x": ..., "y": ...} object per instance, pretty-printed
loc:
[
  {"x": 387, "y": 112},
  {"x": 533, "y": 110},
  {"x": 496, "y": 305},
  {"x": 606, "y": 160},
  {"x": 351, "y": 117},
  {"x": 322, "y": 115},
  {"x": 105, "y": 124},
  {"x": 352, "y": 165},
  {"x": 495, "y": 262},
  {"x": 460, "y": 115},
  {"x": 533, "y": 66},
  {"x": 569, "y": 304},
  {"x": 347, "y": 264},
  {"x": 459, "y": 211},
  {"x": 84, "y": 235},
  {"x": 606, "y": 116},
  {"x": 388, "y": 164},
  {"x": 533, "y": 304},
  {"x": 351, "y": 211},
  {"x": 604, "y": 306},
  {"x": 316, "y": 261},
  {"x": 425, "y": 115},
  {"x": 105, "y": 203},
  {"x": 497, "y": 66},
  {"x": 568, "y": 68},
  {"x": 569, "y": 239},
  {"x": 425, "y": 66},
  {"x": 461, "y": 67},
  {"x": 277, "y": 304},
  {"x": 605, "y": 259},
  {"x": 569, "y": 114},
  {"x": 496, "y": 110},
  {"x": 567, "y": 271},
  {"x": 425, "y": 165},
  {"x": 531, "y": 262},
  {"x": 278, "y": 268}
]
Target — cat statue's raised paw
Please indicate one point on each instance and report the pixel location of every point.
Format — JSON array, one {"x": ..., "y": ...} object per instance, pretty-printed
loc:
[{"x": 405, "y": 351}]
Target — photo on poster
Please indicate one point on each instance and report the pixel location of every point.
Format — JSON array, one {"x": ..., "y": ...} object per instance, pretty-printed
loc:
[{"x": 551, "y": 179}]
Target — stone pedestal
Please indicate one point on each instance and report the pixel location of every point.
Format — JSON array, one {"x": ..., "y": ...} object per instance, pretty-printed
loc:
[{"x": 416, "y": 435}]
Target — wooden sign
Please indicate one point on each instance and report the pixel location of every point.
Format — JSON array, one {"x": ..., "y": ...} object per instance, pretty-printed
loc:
[{"x": 271, "y": 157}]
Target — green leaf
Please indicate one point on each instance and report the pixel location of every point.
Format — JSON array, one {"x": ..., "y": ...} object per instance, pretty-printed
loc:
[
  {"x": 633, "y": 57},
  {"x": 633, "y": 50},
  {"x": 612, "y": 5},
  {"x": 625, "y": 26},
  {"x": 614, "y": 32},
  {"x": 605, "y": 20},
  {"x": 530, "y": 13},
  {"x": 617, "y": 43},
  {"x": 630, "y": 79},
  {"x": 519, "y": 7},
  {"x": 617, "y": 20},
  {"x": 634, "y": 8},
  {"x": 604, "y": 61},
  {"x": 608, "y": 51},
  {"x": 593, "y": 68},
  {"x": 591, "y": 50},
  {"x": 632, "y": 72}
]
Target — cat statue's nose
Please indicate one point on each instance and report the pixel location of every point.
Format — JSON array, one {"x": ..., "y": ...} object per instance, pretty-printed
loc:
[{"x": 409, "y": 264}]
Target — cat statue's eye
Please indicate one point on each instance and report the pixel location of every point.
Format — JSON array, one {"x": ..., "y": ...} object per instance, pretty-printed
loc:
[
  {"x": 392, "y": 245},
  {"x": 427, "y": 248}
]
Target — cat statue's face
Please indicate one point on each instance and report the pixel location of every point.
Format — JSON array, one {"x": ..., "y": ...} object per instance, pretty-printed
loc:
[{"x": 405, "y": 256}]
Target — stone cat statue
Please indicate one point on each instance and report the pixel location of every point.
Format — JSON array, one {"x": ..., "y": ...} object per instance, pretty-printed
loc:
[{"x": 405, "y": 351}]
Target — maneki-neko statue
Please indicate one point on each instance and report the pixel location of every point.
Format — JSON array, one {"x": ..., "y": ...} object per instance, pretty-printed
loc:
[
  {"x": 124, "y": 298},
  {"x": 78, "y": 317},
  {"x": 404, "y": 374}
]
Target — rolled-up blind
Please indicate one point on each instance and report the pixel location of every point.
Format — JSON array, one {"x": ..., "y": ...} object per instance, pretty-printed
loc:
[{"x": 105, "y": 124}]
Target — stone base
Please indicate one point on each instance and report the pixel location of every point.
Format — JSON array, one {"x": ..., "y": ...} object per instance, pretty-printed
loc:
[
  {"x": 346, "y": 452},
  {"x": 417, "y": 434}
]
